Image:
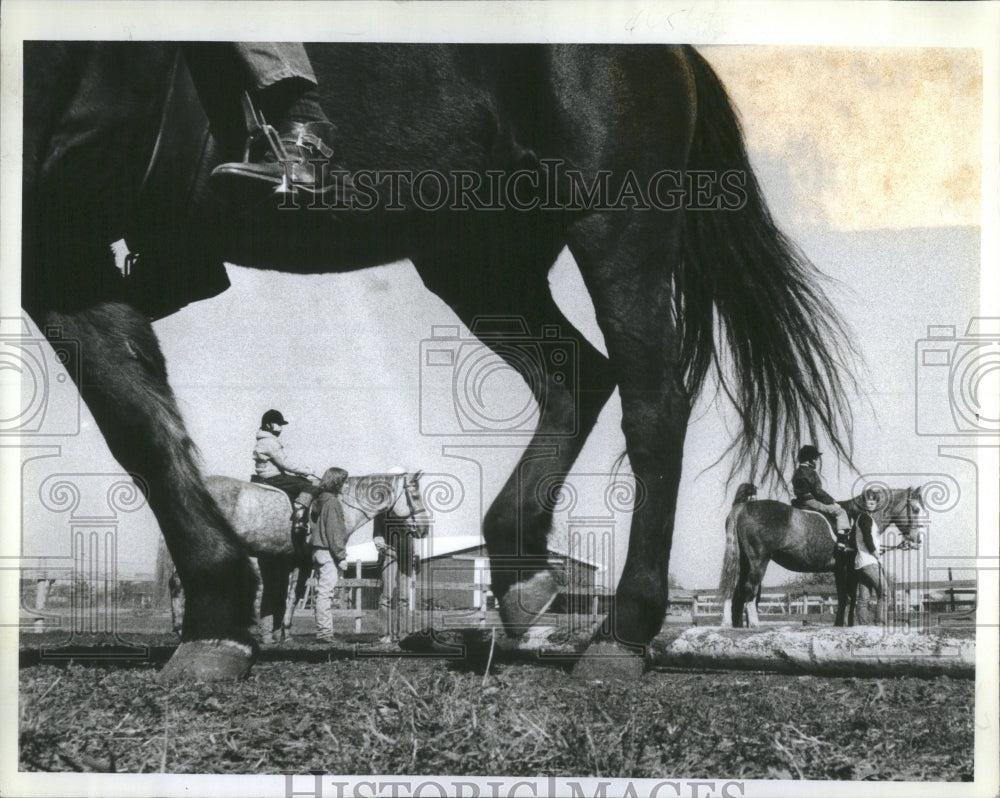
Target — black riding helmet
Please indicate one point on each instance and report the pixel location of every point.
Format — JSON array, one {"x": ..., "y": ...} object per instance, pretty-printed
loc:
[
  {"x": 809, "y": 452},
  {"x": 272, "y": 417}
]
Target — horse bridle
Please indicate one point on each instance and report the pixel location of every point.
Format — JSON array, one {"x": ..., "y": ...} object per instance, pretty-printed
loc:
[
  {"x": 409, "y": 520},
  {"x": 906, "y": 542}
]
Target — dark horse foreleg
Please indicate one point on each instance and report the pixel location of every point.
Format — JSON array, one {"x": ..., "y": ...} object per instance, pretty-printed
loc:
[
  {"x": 298, "y": 579},
  {"x": 841, "y": 577},
  {"x": 123, "y": 380},
  {"x": 512, "y": 282}
]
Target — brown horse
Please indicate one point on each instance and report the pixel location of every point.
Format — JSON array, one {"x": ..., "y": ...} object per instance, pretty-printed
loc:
[
  {"x": 630, "y": 156},
  {"x": 758, "y": 532}
]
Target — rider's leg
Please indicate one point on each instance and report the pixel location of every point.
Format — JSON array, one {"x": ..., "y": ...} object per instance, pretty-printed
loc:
[
  {"x": 283, "y": 87},
  {"x": 300, "y": 492},
  {"x": 833, "y": 510}
]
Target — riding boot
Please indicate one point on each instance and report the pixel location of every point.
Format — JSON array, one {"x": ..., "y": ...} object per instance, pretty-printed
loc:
[{"x": 297, "y": 155}]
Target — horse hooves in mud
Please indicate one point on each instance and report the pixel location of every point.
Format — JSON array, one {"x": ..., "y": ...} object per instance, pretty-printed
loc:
[
  {"x": 208, "y": 661},
  {"x": 606, "y": 660},
  {"x": 526, "y": 601}
]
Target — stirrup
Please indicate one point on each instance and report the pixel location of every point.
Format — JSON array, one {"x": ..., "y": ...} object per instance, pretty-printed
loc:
[{"x": 259, "y": 129}]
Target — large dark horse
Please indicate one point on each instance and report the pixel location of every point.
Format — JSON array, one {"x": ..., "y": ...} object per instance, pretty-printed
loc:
[
  {"x": 758, "y": 532},
  {"x": 631, "y": 156}
]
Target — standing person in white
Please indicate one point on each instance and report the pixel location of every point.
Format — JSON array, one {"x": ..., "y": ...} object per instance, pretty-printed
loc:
[{"x": 872, "y": 584}]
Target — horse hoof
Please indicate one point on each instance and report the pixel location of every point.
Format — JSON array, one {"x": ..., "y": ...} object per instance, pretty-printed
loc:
[
  {"x": 208, "y": 661},
  {"x": 526, "y": 602},
  {"x": 607, "y": 661}
]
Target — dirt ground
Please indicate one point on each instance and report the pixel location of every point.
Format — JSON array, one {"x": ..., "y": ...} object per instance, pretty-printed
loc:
[{"x": 367, "y": 710}]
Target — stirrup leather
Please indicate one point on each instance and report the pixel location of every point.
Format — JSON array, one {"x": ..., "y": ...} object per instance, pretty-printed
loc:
[{"x": 259, "y": 131}]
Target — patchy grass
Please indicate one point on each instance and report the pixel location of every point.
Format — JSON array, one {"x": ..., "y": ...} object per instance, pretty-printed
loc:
[{"x": 423, "y": 716}]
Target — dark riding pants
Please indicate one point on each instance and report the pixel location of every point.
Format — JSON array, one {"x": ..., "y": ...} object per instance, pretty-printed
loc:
[
  {"x": 290, "y": 484},
  {"x": 276, "y": 72}
]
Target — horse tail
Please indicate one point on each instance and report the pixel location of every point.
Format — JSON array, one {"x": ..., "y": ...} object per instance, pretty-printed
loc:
[
  {"x": 731, "y": 560},
  {"x": 164, "y": 570},
  {"x": 789, "y": 353}
]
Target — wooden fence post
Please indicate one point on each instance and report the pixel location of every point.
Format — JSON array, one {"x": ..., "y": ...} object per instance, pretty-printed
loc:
[
  {"x": 357, "y": 598},
  {"x": 411, "y": 603},
  {"x": 481, "y": 582}
]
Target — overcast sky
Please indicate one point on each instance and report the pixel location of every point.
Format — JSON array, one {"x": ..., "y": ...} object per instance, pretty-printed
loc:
[{"x": 870, "y": 159}]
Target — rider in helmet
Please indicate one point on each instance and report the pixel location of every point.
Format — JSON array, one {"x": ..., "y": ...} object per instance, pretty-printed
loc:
[
  {"x": 280, "y": 86},
  {"x": 272, "y": 467},
  {"x": 809, "y": 493}
]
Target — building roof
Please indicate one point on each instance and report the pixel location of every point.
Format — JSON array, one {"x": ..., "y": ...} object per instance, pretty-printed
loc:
[{"x": 434, "y": 547}]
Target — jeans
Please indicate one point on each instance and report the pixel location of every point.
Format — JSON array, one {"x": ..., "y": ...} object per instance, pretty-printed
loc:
[
  {"x": 871, "y": 609},
  {"x": 267, "y": 63},
  {"x": 326, "y": 584}
]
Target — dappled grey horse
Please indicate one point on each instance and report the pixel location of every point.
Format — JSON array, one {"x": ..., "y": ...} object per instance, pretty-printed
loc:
[{"x": 261, "y": 516}]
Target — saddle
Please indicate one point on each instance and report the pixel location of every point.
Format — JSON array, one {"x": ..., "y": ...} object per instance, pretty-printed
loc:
[
  {"x": 171, "y": 264},
  {"x": 299, "y": 526},
  {"x": 831, "y": 524}
]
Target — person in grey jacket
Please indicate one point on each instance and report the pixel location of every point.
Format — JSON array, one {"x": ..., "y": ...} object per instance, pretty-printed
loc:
[{"x": 328, "y": 537}]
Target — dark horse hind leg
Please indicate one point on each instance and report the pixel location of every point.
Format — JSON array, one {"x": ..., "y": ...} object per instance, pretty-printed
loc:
[
  {"x": 274, "y": 576},
  {"x": 517, "y": 524},
  {"x": 843, "y": 575},
  {"x": 123, "y": 380},
  {"x": 625, "y": 263}
]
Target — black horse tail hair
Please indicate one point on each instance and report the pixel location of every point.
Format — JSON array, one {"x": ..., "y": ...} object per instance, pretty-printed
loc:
[
  {"x": 790, "y": 357},
  {"x": 731, "y": 560}
]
